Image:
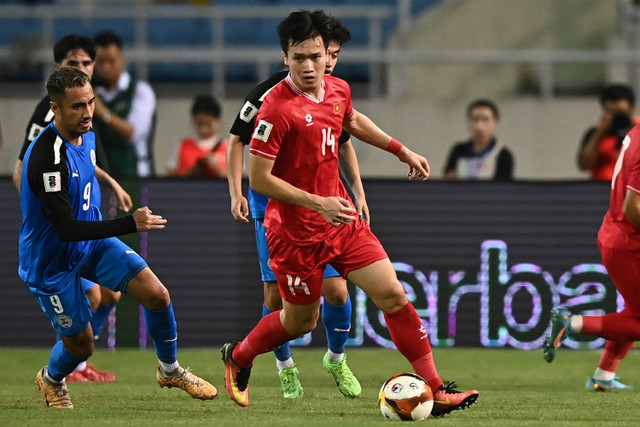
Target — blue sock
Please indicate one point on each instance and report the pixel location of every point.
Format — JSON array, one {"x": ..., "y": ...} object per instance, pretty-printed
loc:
[
  {"x": 99, "y": 318},
  {"x": 61, "y": 363},
  {"x": 337, "y": 322},
  {"x": 283, "y": 352},
  {"x": 163, "y": 329}
]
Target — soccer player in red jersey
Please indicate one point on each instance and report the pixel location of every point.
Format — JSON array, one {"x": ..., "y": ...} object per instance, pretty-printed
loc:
[
  {"x": 336, "y": 303},
  {"x": 619, "y": 243},
  {"x": 310, "y": 220}
]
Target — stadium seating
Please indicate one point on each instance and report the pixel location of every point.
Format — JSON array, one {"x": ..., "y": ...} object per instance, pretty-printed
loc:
[{"x": 199, "y": 32}]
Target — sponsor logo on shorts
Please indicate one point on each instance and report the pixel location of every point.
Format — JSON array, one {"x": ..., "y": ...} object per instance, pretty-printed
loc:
[
  {"x": 64, "y": 321},
  {"x": 262, "y": 130},
  {"x": 52, "y": 182}
]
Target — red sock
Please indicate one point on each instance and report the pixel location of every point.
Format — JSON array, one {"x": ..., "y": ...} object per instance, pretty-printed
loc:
[
  {"x": 614, "y": 352},
  {"x": 267, "y": 335},
  {"x": 410, "y": 337},
  {"x": 623, "y": 326}
]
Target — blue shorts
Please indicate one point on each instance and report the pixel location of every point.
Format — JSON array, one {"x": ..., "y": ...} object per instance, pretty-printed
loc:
[
  {"x": 110, "y": 263},
  {"x": 263, "y": 256}
]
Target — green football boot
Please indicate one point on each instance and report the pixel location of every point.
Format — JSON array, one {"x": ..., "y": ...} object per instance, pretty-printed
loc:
[{"x": 347, "y": 383}]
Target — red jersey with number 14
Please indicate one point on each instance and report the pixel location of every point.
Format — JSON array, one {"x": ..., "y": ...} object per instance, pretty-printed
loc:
[
  {"x": 617, "y": 230},
  {"x": 300, "y": 134}
]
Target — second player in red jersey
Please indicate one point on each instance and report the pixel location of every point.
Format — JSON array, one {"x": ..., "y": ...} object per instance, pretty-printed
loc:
[
  {"x": 619, "y": 243},
  {"x": 619, "y": 230}
]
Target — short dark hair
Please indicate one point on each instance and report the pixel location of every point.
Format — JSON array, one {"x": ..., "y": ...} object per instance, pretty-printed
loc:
[
  {"x": 72, "y": 42},
  {"x": 206, "y": 104},
  {"x": 616, "y": 92},
  {"x": 107, "y": 38},
  {"x": 483, "y": 102},
  {"x": 302, "y": 25},
  {"x": 337, "y": 32},
  {"x": 64, "y": 78}
]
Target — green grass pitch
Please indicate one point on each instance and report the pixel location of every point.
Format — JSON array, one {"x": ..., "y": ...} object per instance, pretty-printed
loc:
[{"x": 517, "y": 388}]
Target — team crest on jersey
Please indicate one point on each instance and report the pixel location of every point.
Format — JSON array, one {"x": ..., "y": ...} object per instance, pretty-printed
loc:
[
  {"x": 93, "y": 157},
  {"x": 337, "y": 108},
  {"x": 262, "y": 130},
  {"x": 248, "y": 112},
  {"x": 52, "y": 182},
  {"x": 309, "y": 119},
  {"x": 64, "y": 321}
]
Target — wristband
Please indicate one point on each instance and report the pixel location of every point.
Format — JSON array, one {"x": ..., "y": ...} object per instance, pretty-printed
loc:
[{"x": 394, "y": 146}]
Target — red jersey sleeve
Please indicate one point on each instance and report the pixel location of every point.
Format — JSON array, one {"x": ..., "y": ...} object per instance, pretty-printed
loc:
[
  {"x": 349, "y": 110},
  {"x": 271, "y": 127},
  {"x": 633, "y": 181}
]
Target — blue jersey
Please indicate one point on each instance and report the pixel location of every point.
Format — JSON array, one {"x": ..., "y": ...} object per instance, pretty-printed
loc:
[{"x": 57, "y": 177}]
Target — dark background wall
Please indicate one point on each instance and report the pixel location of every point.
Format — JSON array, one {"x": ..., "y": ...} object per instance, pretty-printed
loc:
[{"x": 482, "y": 262}]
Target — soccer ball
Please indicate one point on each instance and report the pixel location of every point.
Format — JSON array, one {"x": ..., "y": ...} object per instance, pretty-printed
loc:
[{"x": 405, "y": 397}]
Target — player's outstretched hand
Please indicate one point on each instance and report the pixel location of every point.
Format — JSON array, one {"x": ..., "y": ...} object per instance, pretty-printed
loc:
[
  {"x": 145, "y": 221},
  {"x": 337, "y": 211},
  {"x": 123, "y": 198},
  {"x": 240, "y": 208},
  {"x": 418, "y": 165}
]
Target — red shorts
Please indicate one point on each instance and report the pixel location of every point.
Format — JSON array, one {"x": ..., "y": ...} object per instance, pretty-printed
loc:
[
  {"x": 624, "y": 269},
  {"x": 299, "y": 269}
]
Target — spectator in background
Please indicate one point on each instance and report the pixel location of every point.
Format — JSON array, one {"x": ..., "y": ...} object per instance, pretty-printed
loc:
[
  {"x": 125, "y": 111},
  {"x": 205, "y": 154},
  {"x": 601, "y": 143},
  {"x": 481, "y": 156}
]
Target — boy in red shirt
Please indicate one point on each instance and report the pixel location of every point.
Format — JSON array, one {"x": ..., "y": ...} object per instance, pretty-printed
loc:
[{"x": 204, "y": 156}]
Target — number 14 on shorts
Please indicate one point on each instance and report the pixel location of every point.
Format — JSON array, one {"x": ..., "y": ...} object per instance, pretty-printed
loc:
[{"x": 295, "y": 283}]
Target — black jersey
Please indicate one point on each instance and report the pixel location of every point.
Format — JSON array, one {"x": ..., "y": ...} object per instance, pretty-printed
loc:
[
  {"x": 40, "y": 119},
  {"x": 244, "y": 123}
]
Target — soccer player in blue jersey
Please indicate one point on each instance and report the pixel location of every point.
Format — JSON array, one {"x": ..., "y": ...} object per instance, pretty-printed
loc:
[
  {"x": 64, "y": 238},
  {"x": 336, "y": 307},
  {"x": 79, "y": 51}
]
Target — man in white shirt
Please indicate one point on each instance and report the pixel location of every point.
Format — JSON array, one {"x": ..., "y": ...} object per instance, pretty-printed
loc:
[{"x": 125, "y": 111}]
